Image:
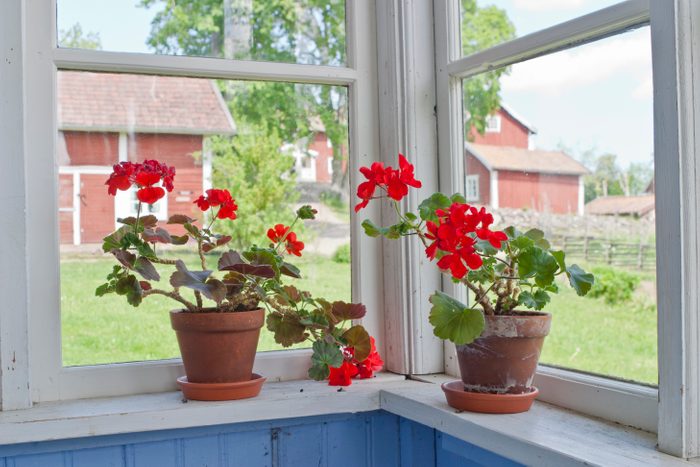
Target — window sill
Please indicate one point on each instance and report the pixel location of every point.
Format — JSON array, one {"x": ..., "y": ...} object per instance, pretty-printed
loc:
[{"x": 547, "y": 435}]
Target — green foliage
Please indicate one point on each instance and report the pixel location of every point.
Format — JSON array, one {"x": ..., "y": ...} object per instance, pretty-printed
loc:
[
  {"x": 294, "y": 31},
  {"x": 250, "y": 166},
  {"x": 454, "y": 321},
  {"x": 74, "y": 38},
  {"x": 342, "y": 254},
  {"x": 324, "y": 355},
  {"x": 615, "y": 286},
  {"x": 482, "y": 27}
]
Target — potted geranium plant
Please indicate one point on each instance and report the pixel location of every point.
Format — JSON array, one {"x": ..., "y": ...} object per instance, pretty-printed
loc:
[
  {"x": 219, "y": 321},
  {"x": 509, "y": 273}
]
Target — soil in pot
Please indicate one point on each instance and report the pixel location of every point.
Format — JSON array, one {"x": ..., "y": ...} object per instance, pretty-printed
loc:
[
  {"x": 218, "y": 347},
  {"x": 503, "y": 360}
]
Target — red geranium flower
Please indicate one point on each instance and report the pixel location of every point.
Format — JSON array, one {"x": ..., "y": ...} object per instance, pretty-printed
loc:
[
  {"x": 293, "y": 246},
  {"x": 150, "y": 194},
  {"x": 342, "y": 376},
  {"x": 454, "y": 236},
  {"x": 215, "y": 197},
  {"x": 371, "y": 364},
  {"x": 121, "y": 177},
  {"x": 394, "y": 182},
  {"x": 276, "y": 234}
]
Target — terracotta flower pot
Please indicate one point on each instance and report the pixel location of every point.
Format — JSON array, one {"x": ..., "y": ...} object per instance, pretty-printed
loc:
[
  {"x": 218, "y": 347},
  {"x": 498, "y": 368},
  {"x": 504, "y": 359}
]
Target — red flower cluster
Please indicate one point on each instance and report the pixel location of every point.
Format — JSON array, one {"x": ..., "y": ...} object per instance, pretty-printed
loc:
[
  {"x": 395, "y": 182},
  {"x": 455, "y": 235},
  {"x": 292, "y": 245},
  {"x": 145, "y": 176},
  {"x": 222, "y": 198},
  {"x": 351, "y": 368}
]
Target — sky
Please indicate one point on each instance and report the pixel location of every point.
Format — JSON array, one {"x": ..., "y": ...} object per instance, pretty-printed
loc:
[{"x": 594, "y": 97}]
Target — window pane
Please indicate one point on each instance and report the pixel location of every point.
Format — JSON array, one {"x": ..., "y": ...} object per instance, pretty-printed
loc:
[
  {"x": 485, "y": 23},
  {"x": 573, "y": 157},
  {"x": 215, "y": 135},
  {"x": 298, "y": 31}
]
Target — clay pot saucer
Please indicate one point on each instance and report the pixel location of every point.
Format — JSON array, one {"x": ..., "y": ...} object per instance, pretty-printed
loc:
[
  {"x": 481, "y": 402},
  {"x": 221, "y": 391}
]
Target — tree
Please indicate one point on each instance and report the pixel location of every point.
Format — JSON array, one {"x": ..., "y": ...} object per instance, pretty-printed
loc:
[
  {"x": 249, "y": 166},
  {"x": 482, "y": 27},
  {"x": 74, "y": 38}
]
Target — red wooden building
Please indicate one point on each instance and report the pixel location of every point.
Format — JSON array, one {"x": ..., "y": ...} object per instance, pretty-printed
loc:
[
  {"x": 105, "y": 118},
  {"x": 504, "y": 170},
  {"x": 313, "y": 156}
]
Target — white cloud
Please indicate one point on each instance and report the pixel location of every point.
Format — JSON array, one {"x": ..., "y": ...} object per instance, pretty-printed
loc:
[
  {"x": 590, "y": 64},
  {"x": 548, "y": 5},
  {"x": 645, "y": 89}
]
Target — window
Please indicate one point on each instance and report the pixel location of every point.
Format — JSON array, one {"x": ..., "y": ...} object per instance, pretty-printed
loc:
[
  {"x": 351, "y": 86},
  {"x": 493, "y": 124},
  {"x": 505, "y": 70},
  {"x": 472, "y": 188}
]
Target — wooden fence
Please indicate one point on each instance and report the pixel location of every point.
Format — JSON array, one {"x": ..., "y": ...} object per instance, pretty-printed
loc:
[{"x": 596, "y": 250}]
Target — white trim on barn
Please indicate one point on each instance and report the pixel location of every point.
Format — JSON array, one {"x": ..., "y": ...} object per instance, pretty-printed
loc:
[
  {"x": 76, "y": 208},
  {"x": 581, "y": 195},
  {"x": 494, "y": 189}
]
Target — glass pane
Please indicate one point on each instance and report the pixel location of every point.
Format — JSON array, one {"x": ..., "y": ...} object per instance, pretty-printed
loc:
[
  {"x": 216, "y": 135},
  {"x": 571, "y": 154},
  {"x": 485, "y": 23},
  {"x": 310, "y": 32}
]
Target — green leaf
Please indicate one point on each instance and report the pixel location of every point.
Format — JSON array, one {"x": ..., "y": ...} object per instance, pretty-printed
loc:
[
  {"x": 458, "y": 198},
  {"x": 316, "y": 318},
  {"x": 537, "y": 263},
  {"x": 454, "y": 321},
  {"x": 113, "y": 241},
  {"x": 130, "y": 287},
  {"x": 358, "y": 338},
  {"x": 290, "y": 270},
  {"x": 264, "y": 256},
  {"x": 306, "y": 212},
  {"x": 521, "y": 242},
  {"x": 512, "y": 232},
  {"x": 104, "y": 289},
  {"x": 429, "y": 205},
  {"x": 286, "y": 327},
  {"x": 560, "y": 256},
  {"x": 579, "y": 279},
  {"x": 197, "y": 280},
  {"x": 410, "y": 216},
  {"x": 144, "y": 267},
  {"x": 232, "y": 261},
  {"x": 343, "y": 311},
  {"x": 536, "y": 301},
  {"x": 371, "y": 230},
  {"x": 180, "y": 219},
  {"x": 325, "y": 355}
]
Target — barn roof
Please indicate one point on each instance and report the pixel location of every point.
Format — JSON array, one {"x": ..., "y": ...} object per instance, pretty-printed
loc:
[
  {"x": 621, "y": 205},
  {"x": 525, "y": 160},
  {"x": 141, "y": 103}
]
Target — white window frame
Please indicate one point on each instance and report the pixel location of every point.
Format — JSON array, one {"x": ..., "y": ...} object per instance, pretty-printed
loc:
[
  {"x": 471, "y": 188},
  {"x": 673, "y": 409},
  {"x": 30, "y": 326},
  {"x": 493, "y": 124}
]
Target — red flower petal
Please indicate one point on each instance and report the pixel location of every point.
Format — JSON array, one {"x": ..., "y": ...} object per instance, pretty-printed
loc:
[{"x": 150, "y": 194}]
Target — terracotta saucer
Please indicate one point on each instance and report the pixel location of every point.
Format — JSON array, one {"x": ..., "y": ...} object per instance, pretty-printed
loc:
[
  {"x": 460, "y": 399},
  {"x": 221, "y": 391}
]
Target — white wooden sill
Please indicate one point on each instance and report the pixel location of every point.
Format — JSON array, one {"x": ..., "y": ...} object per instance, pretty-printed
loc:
[{"x": 547, "y": 435}]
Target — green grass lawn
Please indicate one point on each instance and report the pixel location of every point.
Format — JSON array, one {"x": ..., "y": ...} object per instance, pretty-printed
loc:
[
  {"x": 615, "y": 340},
  {"x": 587, "y": 334},
  {"x": 107, "y": 329}
]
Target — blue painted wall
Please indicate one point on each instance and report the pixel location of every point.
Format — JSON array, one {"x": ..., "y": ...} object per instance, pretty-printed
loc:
[{"x": 376, "y": 439}]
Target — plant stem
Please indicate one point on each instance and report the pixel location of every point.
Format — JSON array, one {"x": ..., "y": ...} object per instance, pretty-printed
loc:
[
  {"x": 162, "y": 261},
  {"x": 198, "y": 297},
  {"x": 174, "y": 295}
]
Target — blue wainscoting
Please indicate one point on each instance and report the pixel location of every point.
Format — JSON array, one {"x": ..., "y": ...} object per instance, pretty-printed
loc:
[{"x": 378, "y": 439}]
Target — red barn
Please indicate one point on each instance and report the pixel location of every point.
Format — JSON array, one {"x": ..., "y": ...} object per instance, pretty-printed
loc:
[
  {"x": 313, "y": 156},
  {"x": 106, "y": 118},
  {"x": 505, "y": 171}
]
